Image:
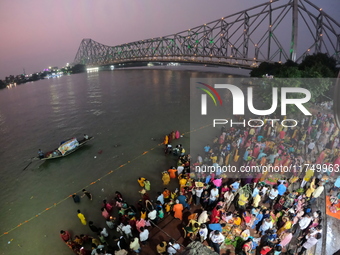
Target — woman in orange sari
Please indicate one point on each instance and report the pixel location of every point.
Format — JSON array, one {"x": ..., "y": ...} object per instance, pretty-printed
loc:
[
  {"x": 178, "y": 209},
  {"x": 166, "y": 140}
]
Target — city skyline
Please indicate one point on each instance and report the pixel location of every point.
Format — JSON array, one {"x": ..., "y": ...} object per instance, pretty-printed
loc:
[{"x": 44, "y": 34}]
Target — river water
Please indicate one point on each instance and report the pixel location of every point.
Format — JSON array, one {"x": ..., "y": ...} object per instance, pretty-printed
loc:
[{"x": 127, "y": 111}]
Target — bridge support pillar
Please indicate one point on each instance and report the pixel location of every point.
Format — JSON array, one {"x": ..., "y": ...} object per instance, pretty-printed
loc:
[{"x": 293, "y": 43}]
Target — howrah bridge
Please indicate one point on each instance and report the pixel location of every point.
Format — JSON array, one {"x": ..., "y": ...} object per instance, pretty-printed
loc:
[{"x": 275, "y": 31}]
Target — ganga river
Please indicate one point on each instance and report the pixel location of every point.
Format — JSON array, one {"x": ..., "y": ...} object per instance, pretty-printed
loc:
[{"x": 128, "y": 111}]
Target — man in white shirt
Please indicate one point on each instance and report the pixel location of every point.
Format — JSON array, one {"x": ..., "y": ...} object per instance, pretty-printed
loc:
[
  {"x": 173, "y": 247},
  {"x": 127, "y": 230},
  {"x": 143, "y": 235},
  {"x": 273, "y": 193},
  {"x": 213, "y": 196},
  {"x": 310, "y": 242},
  {"x": 198, "y": 194},
  {"x": 203, "y": 232},
  {"x": 180, "y": 169},
  {"x": 303, "y": 223},
  {"x": 267, "y": 224},
  {"x": 264, "y": 190},
  {"x": 153, "y": 216},
  {"x": 216, "y": 239}
]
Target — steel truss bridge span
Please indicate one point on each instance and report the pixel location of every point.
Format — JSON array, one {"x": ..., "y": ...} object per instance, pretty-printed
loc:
[{"x": 276, "y": 31}]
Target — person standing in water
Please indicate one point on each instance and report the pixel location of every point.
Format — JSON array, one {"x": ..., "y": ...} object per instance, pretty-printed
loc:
[
  {"x": 41, "y": 154},
  {"x": 86, "y": 193}
]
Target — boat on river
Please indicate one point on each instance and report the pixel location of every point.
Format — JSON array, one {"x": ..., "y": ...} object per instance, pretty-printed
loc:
[{"x": 65, "y": 148}]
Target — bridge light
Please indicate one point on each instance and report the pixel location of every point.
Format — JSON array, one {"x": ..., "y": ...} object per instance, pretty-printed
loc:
[
  {"x": 320, "y": 34},
  {"x": 255, "y": 45},
  {"x": 222, "y": 18},
  {"x": 205, "y": 24},
  {"x": 320, "y": 9},
  {"x": 221, "y": 34},
  {"x": 308, "y": 50}
]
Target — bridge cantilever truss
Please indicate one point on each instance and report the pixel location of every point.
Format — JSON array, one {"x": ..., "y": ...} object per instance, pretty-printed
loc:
[{"x": 270, "y": 32}]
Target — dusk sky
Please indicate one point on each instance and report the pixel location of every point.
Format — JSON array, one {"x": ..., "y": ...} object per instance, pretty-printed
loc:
[{"x": 36, "y": 34}]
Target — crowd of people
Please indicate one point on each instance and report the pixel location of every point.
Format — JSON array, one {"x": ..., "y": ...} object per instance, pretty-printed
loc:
[
  {"x": 264, "y": 211},
  {"x": 129, "y": 223},
  {"x": 255, "y": 211}
]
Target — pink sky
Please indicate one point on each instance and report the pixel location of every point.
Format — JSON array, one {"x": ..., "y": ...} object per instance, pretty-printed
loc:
[{"x": 36, "y": 34}]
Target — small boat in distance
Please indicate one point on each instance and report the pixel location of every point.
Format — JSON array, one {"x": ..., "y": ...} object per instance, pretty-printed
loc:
[{"x": 65, "y": 148}]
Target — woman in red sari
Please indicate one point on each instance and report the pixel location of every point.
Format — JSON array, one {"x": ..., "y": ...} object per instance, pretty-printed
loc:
[
  {"x": 247, "y": 247},
  {"x": 216, "y": 214}
]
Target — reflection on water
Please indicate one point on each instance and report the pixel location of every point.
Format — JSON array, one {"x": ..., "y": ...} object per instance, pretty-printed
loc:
[
  {"x": 54, "y": 99},
  {"x": 71, "y": 95},
  {"x": 3, "y": 129},
  {"x": 94, "y": 94}
]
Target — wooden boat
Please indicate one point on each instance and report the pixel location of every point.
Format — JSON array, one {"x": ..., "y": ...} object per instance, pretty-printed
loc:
[{"x": 66, "y": 148}]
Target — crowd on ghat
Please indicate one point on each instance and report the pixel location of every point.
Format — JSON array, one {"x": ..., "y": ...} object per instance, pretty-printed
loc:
[{"x": 255, "y": 213}]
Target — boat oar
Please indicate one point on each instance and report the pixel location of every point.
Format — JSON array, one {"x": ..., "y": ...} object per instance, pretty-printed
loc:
[{"x": 29, "y": 163}]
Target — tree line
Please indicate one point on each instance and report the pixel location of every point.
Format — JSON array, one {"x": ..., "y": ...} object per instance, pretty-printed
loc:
[{"x": 316, "y": 73}]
